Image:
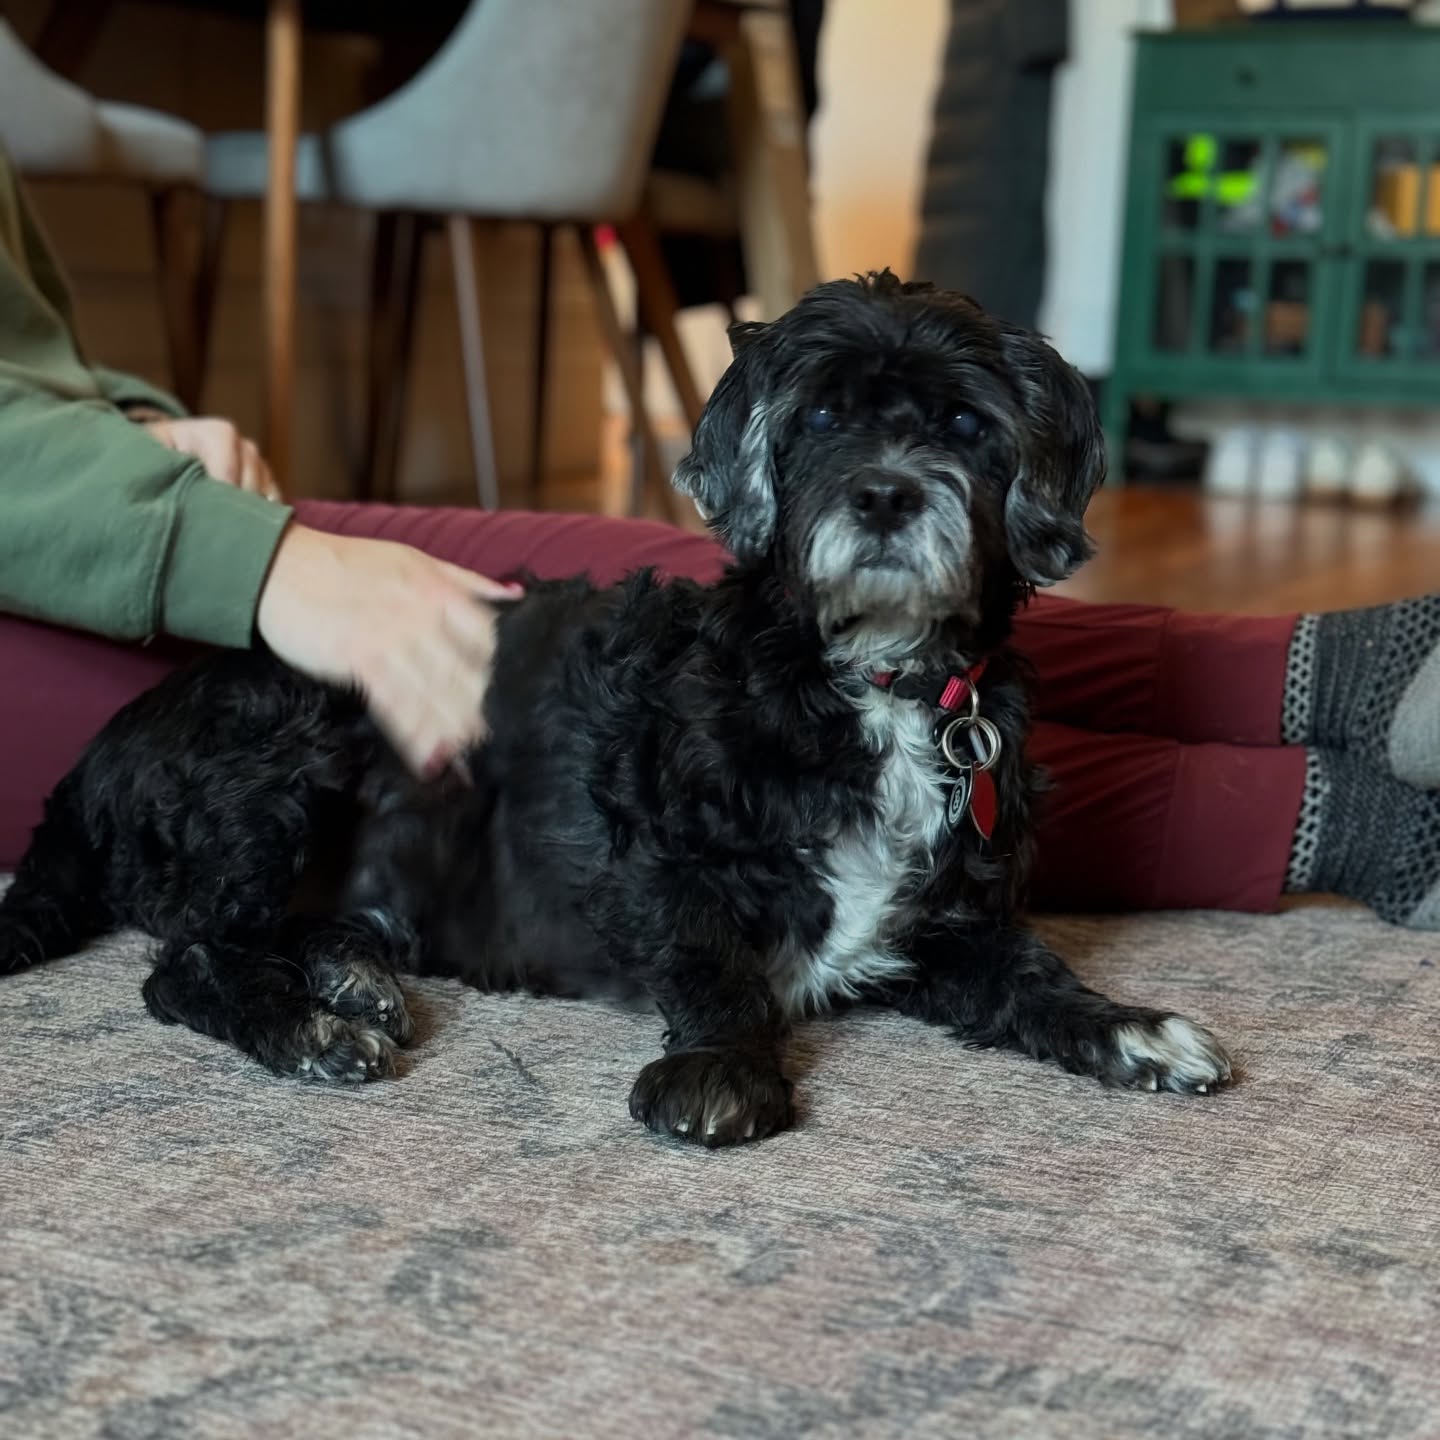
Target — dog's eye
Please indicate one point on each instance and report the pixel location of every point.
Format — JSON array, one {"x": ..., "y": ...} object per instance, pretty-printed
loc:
[
  {"x": 819, "y": 419},
  {"x": 965, "y": 425}
]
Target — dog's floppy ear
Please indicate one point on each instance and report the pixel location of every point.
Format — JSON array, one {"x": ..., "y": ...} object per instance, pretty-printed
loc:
[
  {"x": 1062, "y": 461},
  {"x": 730, "y": 470}
]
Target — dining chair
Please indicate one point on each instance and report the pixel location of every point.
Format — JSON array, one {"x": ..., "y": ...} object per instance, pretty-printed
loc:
[
  {"x": 542, "y": 111},
  {"x": 54, "y": 130}
]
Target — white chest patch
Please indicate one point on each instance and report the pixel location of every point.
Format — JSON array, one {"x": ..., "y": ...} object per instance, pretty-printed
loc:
[{"x": 872, "y": 869}]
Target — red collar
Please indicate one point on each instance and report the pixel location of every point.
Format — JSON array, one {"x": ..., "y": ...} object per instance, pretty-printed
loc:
[{"x": 942, "y": 690}]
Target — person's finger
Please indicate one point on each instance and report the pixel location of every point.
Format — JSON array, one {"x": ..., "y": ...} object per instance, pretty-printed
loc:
[
  {"x": 216, "y": 444},
  {"x": 396, "y": 698},
  {"x": 428, "y": 702},
  {"x": 233, "y": 443},
  {"x": 471, "y": 627},
  {"x": 435, "y": 743},
  {"x": 454, "y": 682},
  {"x": 269, "y": 487},
  {"x": 249, "y": 479},
  {"x": 481, "y": 585},
  {"x": 255, "y": 476}
]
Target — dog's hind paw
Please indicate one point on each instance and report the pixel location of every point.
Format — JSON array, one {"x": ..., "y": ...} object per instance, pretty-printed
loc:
[
  {"x": 711, "y": 1097},
  {"x": 1167, "y": 1053},
  {"x": 20, "y": 947},
  {"x": 330, "y": 1047}
]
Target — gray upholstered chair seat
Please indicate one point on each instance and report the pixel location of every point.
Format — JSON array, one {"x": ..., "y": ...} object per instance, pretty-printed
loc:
[
  {"x": 343, "y": 168},
  {"x": 56, "y": 130},
  {"x": 542, "y": 111},
  {"x": 138, "y": 142},
  {"x": 532, "y": 109}
]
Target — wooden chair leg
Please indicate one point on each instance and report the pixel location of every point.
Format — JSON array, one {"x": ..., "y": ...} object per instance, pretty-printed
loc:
[
  {"x": 283, "y": 39},
  {"x": 615, "y": 337},
  {"x": 639, "y": 444},
  {"x": 658, "y": 308},
  {"x": 542, "y": 365},
  {"x": 207, "y": 282},
  {"x": 477, "y": 392},
  {"x": 370, "y": 479},
  {"x": 410, "y": 265},
  {"x": 767, "y": 137},
  {"x": 394, "y": 294},
  {"x": 175, "y": 217}
]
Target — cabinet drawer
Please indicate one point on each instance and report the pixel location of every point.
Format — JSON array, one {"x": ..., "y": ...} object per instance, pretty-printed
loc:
[{"x": 1288, "y": 66}]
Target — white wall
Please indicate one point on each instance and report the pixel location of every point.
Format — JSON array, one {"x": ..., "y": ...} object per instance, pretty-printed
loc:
[
  {"x": 1089, "y": 137},
  {"x": 878, "y": 76}
]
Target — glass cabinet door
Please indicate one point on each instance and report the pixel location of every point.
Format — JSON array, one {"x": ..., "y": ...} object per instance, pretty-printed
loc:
[
  {"x": 1243, "y": 218},
  {"x": 1390, "y": 316}
]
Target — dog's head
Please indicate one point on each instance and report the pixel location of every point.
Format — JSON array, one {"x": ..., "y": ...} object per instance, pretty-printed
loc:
[{"x": 897, "y": 456}]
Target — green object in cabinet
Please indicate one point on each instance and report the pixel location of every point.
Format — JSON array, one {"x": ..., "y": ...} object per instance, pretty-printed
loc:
[{"x": 1282, "y": 218}]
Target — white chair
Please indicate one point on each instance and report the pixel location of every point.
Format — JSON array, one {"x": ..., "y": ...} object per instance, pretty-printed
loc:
[
  {"x": 53, "y": 130},
  {"x": 533, "y": 110}
]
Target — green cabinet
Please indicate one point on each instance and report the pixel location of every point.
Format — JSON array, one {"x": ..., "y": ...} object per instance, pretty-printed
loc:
[{"x": 1282, "y": 218}]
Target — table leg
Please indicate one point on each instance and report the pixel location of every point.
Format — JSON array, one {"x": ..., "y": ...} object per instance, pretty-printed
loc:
[{"x": 282, "y": 123}]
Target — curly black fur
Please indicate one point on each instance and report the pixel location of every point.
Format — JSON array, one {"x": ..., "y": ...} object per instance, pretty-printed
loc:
[{"x": 695, "y": 797}]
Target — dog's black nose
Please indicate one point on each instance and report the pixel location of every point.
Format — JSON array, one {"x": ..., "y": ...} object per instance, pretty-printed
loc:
[{"x": 884, "y": 501}]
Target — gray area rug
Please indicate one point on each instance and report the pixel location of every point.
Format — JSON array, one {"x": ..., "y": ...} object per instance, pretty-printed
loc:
[{"x": 951, "y": 1244}]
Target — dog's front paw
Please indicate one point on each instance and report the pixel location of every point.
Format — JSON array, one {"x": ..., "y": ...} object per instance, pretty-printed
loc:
[
  {"x": 1166, "y": 1053},
  {"x": 714, "y": 1097},
  {"x": 330, "y": 1047},
  {"x": 367, "y": 992}
]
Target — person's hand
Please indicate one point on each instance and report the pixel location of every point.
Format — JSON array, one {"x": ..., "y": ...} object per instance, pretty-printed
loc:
[
  {"x": 415, "y": 634},
  {"x": 220, "y": 448}
]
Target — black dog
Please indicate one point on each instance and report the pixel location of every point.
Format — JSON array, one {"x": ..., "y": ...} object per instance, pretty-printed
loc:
[{"x": 739, "y": 802}]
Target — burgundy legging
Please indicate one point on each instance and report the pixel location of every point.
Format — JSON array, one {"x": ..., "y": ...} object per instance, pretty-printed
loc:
[{"x": 1161, "y": 730}]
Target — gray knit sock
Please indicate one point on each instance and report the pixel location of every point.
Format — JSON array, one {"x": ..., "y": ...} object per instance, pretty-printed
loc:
[
  {"x": 1364, "y": 834},
  {"x": 1368, "y": 682},
  {"x": 1415, "y": 731}
]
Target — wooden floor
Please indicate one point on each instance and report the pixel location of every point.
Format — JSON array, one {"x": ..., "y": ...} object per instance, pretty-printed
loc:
[{"x": 1201, "y": 553}]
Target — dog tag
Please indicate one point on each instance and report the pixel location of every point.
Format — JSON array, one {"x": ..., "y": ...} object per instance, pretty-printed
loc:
[
  {"x": 972, "y": 792},
  {"x": 957, "y": 806}
]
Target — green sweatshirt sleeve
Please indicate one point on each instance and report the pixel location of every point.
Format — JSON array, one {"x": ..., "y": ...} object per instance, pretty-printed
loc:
[
  {"x": 125, "y": 390},
  {"x": 101, "y": 526}
]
